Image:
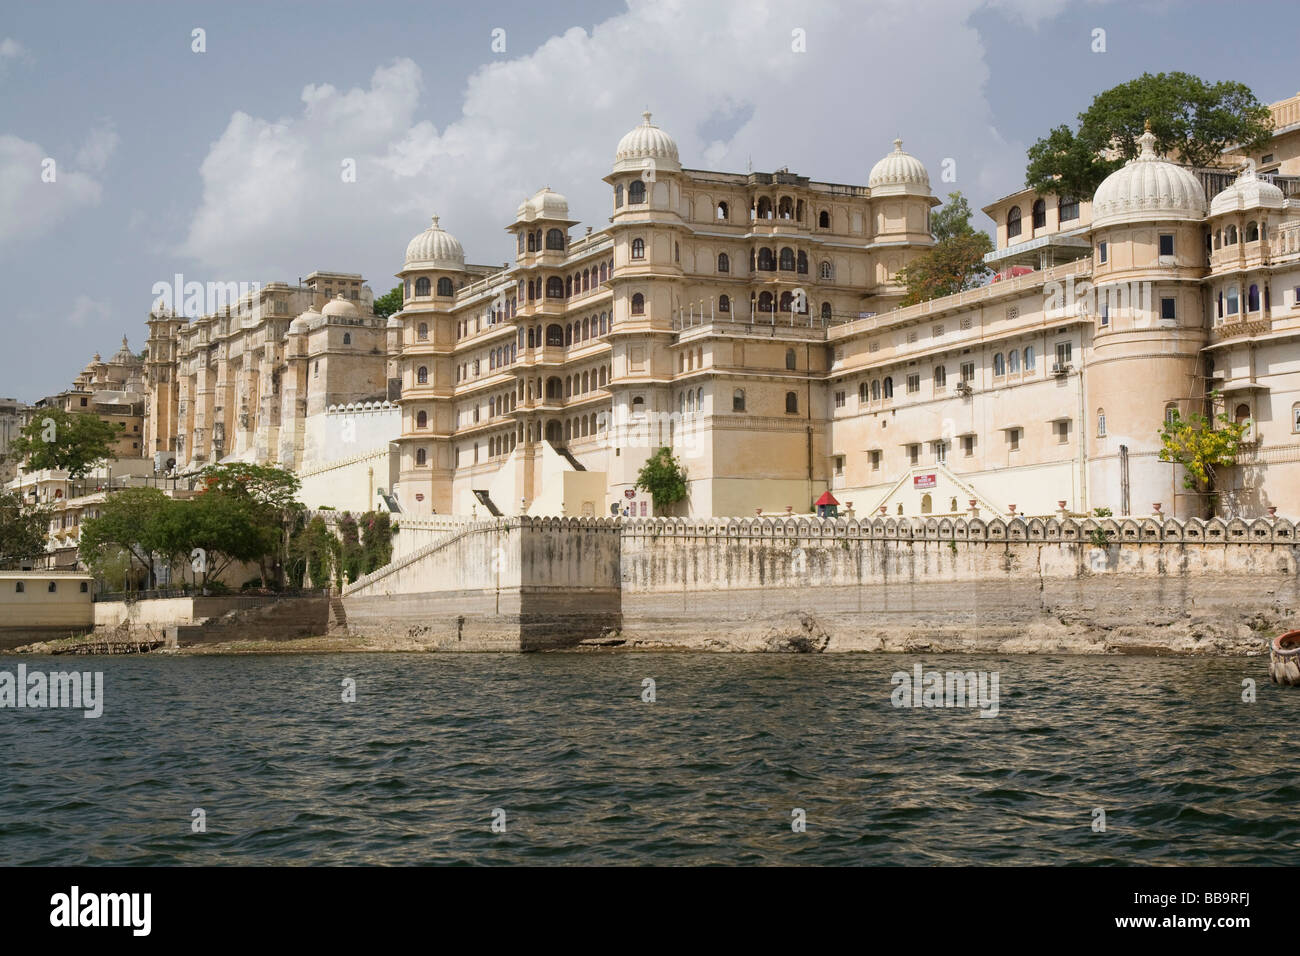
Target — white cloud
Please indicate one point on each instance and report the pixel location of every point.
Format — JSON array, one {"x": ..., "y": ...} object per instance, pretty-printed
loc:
[
  {"x": 722, "y": 79},
  {"x": 29, "y": 205},
  {"x": 87, "y": 312},
  {"x": 12, "y": 50},
  {"x": 99, "y": 147}
]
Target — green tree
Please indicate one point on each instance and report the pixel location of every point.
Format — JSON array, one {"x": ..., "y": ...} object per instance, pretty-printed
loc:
[
  {"x": 955, "y": 262},
  {"x": 664, "y": 478},
  {"x": 1201, "y": 445},
  {"x": 313, "y": 550},
  {"x": 376, "y": 540},
  {"x": 23, "y": 529},
  {"x": 273, "y": 494},
  {"x": 128, "y": 520},
  {"x": 74, "y": 442},
  {"x": 226, "y": 528},
  {"x": 1191, "y": 119},
  {"x": 389, "y": 302}
]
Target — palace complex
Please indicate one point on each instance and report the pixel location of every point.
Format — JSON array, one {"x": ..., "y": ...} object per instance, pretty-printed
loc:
[{"x": 752, "y": 323}]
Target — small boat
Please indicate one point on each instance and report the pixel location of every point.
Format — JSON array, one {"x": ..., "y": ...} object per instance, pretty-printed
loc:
[{"x": 1284, "y": 659}]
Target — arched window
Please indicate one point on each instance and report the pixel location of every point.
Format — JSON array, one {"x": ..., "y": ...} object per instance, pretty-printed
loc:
[
  {"x": 445, "y": 287},
  {"x": 636, "y": 192},
  {"x": 638, "y": 304},
  {"x": 791, "y": 403},
  {"x": 723, "y": 211},
  {"x": 603, "y": 274},
  {"x": 765, "y": 302},
  {"x": 638, "y": 405},
  {"x": 724, "y": 262},
  {"x": 604, "y": 322},
  {"x": 568, "y": 335},
  {"x": 532, "y": 343},
  {"x": 826, "y": 310},
  {"x": 724, "y": 303},
  {"x": 1234, "y": 300},
  {"x": 999, "y": 364},
  {"x": 1252, "y": 231},
  {"x": 20, "y": 587},
  {"x": 1067, "y": 208},
  {"x": 638, "y": 248},
  {"x": 422, "y": 420},
  {"x": 422, "y": 285},
  {"x": 618, "y": 195},
  {"x": 766, "y": 261},
  {"x": 554, "y": 335},
  {"x": 1029, "y": 358},
  {"x": 1013, "y": 222},
  {"x": 827, "y": 272},
  {"x": 604, "y": 376},
  {"x": 586, "y": 279},
  {"x": 1252, "y": 298},
  {"x": 1230, "y": 236},
  {"x": 568, "y": 286},
  {"x": 787, "y": 301},
  {"x": 699, "y": 399},
  {"x": 1013, "y": 361},
  {"x": 422, "y": 376},
  {"x": 422, "y": 333},
  {"x": 764, "y": 208},
  {"x": 801, "y": 265},
  {"x": 875, "y": 390},
  {"x": 824, "y": 219},
  {"x": 555, "y": 239},
  {"x": 927, "y": 504},
  {"x": 532, "y": 243},
  {"x": 1040, "y": 214},
  {"x": 787, "y": 259},
  {"x": 586, "y": 329},
  {"x": 785, "y": 208},
  {"x": 889, "y": 386},
  {"x": 738, "y": 402},
  {"x": 555, "y": 288},
  {"x": 1101, "y": 423},
  {"x": 347, "y": 336},
  {"x": 1242, "y": 417}
]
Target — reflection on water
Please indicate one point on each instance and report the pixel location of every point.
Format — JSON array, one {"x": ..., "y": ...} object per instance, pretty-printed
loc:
[{"x": 710, "y": 772}]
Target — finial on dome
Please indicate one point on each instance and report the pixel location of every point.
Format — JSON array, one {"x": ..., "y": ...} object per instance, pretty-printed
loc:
[
  {"x": 1146, "y": 124},
  {"x": 645, "y": 116},
  {"x": 898, "y": 145},
  {"x": 123, "y": 341},
  {"x": 1147, "y": 142},
  {"x": 435, "y": 221}
]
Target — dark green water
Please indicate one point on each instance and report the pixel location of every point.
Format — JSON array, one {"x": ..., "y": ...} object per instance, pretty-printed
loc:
[{"x": 587, "y": 772}]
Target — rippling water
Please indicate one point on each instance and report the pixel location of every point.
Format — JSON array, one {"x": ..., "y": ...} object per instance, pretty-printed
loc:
[{"x": 587, "y": 772}]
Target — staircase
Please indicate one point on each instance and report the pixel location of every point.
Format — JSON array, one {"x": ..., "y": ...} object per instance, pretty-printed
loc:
[
  {"x": 568, "y": 456},
  {"x": 338, "y": 619}
]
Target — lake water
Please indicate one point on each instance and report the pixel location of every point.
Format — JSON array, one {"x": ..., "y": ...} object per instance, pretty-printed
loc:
[{"x": 710, "y": 772}]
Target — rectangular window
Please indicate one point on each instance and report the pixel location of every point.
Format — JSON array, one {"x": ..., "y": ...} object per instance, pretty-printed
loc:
[
  {"x": 941, "y": 452},
  {"x": 1105, "y": 314},
  {"x": 968, "y": 445},
  {"x": 914, "y": 454},
  {"x": 839, "y": 466},
  {"x": 940, "y": 377},
  {"x": 1166, "y": 244},
  {"x": 968, "y": 372},
  {"x": 1013, "y": 437},
  {"x": 839, "y": 399},
  {"x": 1062, "y": 430},
  {"x": 1168, "y": 309},
  {"x": 1063, "y": 353},
  {"x": 1102, "y": 250},
  {"x": 913, "y": 383},
  {"x": 875, "y": 461}
]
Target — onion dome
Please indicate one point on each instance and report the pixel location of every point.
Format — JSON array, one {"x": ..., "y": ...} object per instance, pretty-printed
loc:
[
  {"x": 1248, "y": 192},
  {"x": 124, "y": 356},
  {"x": 646, "y": 144},
  {"x": 899, "y": 174},
  {"x": 303, "y": 322},
  {"x": 1148, "y": 188},
  {"x": 435, "y": 248}
]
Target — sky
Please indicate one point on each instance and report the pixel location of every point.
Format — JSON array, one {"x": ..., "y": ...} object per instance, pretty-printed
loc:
[{"x": 225, "y": 156}]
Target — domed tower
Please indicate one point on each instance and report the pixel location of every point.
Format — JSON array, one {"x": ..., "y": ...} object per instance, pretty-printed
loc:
[
  {"x": 900, "y": 216},
  {"x": 646, "y": 281},
  {"x": 1148, "y": 330},
  {"x": 434, "y": 270}
]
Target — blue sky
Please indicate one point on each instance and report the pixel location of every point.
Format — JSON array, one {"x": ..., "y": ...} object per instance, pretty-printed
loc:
[{"x": 225, "y": 165}]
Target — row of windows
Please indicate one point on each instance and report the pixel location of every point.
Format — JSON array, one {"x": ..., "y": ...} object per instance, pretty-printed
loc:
[
  {"x": 1230, "y": 304},
  {"x": 557, "y": 287},
  {"x": 445, "y": 287},
  {"x": 1067, "y": 208},
  {"x": 1228, "y": 235},
  {"x": 561, "y": 336},
  {"x": 555, "y": 240},
  {"x": 20, "y": 587}
]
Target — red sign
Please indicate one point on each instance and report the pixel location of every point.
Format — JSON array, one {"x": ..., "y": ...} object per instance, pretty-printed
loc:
[
  {"x": 629, "y": 493},
  {"x": 923, "y": 481}
]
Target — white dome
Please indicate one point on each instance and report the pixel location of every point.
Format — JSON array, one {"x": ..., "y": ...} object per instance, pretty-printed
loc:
[
  {"x": 394, "y": 322},
  {"x": 899, "y": 173},
  {"x": 546, "y": 203},
  {"x": 1148, "y": 188},
  {"x": 435, "y": 248},
  {"x": 1248, "y": 192},
  {"x": 645, "y": 144},
  {"x": 303, "y": 322},
  {"x": 342, "y": 307}
]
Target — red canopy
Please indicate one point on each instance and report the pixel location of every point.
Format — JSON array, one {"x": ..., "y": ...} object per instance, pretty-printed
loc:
[{"x": 827, "y": 499}]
